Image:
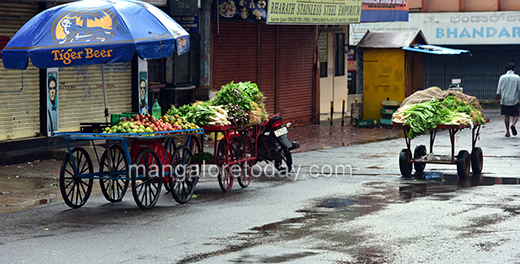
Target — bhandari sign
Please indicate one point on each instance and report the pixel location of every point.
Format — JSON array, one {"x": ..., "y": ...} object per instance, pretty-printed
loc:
[{"x": 314, "y": 12}]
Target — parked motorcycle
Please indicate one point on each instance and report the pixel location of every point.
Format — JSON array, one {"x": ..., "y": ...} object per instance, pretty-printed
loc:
[{"x": 273, "y": 144}]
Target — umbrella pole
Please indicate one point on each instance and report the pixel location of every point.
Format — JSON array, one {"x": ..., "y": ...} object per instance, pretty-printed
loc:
[
  {"x": 107, "y": 147},
  {"x": 104, "y": 92}
]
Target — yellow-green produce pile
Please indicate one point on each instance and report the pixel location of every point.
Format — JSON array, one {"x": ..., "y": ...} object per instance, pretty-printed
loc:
[
  {"x": 147, "y": 124},
  {"x": 235, "y": 103}
]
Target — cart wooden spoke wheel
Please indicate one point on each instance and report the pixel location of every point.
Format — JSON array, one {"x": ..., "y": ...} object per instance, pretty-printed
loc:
[
  {"x": 193, "y": 143},
  {"x": 146, "y": 174},
  {"x": 75, "y": 177},
  {"x": 246, "y": 153},
  {"x": 170, "y": 146},
  {"x": 114, "y": 174},
  {"x": 225, "y": 179},
  {"x": 184, "y": 174}
]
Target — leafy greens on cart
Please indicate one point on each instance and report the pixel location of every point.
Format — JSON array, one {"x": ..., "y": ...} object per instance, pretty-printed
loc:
[
  {"x": 452, "y": 109},
  {"x": 236, "y": 103}
]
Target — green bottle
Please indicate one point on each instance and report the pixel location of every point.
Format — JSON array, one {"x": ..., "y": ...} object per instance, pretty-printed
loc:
[{"x": 156, "y": 110}]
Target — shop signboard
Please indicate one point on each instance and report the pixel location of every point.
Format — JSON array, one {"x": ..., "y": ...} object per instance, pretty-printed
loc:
[
  {"x": 189, "y": 23},
  {"x": 184, "y": 7},
  {"x": 52, "y": 101},
  {"x": 351, "y": 64},
  {"x": 384, "y": 10},
  {"x": 153, "y": 2},
  {"x": 142, "y": 94},
  {"x": 311, "y": 12},
  {"x": 466, "y": 28},
  {"x": 314, "y": 12},
  {"x": 243, "y": 10}
]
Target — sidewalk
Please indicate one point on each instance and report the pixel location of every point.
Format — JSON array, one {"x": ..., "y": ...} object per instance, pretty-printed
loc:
[{"x": 36, "y": 183}]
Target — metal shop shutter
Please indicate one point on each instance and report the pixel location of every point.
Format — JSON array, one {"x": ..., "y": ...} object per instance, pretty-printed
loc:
[
  {"x": 267, "y": 66},
  {"x": 80, "y": 95},
  {"x": 479, "y": 74},
  {"x": 295, "y": 74},
  {"x": 19, "y": 89},
  {"x": 235, "y": 53}
]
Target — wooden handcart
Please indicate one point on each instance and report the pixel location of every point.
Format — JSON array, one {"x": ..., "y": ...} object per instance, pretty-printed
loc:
[
  {"x": 234, "y": 154},
  {"x": 151, "y": 159},
  {"x": 464, "y": 160}
]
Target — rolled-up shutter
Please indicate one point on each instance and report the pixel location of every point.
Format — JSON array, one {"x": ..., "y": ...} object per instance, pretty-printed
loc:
[
  {"x": 235, "y": 53},
  {"x": 19, "y": 89},
  {"x": 81, "y": 97},
  {"x": 279, "y": 59},
  {"x": 267, "y": 72}
]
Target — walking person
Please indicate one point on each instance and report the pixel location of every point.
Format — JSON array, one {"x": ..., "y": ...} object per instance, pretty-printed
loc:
[{"x": 508, "y": 92}]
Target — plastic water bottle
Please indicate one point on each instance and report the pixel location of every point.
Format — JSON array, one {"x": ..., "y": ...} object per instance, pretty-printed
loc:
[{"x": 156, "y": 110}]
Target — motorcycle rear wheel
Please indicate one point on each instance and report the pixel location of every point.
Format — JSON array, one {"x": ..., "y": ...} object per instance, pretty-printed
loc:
[{"x": 284, "y": 163}]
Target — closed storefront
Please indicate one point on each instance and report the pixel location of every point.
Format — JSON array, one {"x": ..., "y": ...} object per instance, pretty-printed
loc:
[
  {"x": 478, "y": 74},
  {"x": 295, "y": 74},
  {"x": 280, "y": 59},
  {"x": 81, "y": 96},
  {"x": 491, "y": 37},
  {"x": 19, "y": 89}
]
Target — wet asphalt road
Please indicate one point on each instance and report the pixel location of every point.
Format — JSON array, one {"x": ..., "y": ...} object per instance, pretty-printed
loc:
[{"x": 317, "y": 215}]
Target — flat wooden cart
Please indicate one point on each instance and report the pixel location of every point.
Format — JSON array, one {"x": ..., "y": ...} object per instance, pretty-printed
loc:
[
  {"x": 464, "y": 160},
  {"x": 150, "y": 160},
  {"x": 234, "y": 154}
]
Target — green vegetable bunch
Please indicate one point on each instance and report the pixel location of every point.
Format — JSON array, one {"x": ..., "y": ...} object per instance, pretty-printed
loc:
[
  {"x": 456, "y": 104},
  {"x": 238, "y": 98},
  {"x": 197, "y": 113},
  {"x": 423, "y": 117},
  {"x": 233, "y": 94}
]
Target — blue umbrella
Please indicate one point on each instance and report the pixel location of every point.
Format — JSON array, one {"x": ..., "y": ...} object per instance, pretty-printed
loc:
[{"x": 95, "y": 32}]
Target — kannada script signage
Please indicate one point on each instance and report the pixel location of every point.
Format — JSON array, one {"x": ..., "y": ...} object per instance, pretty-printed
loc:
[
  {"x": 314, "y": 12},
  {"x": 466, "y": 28}
]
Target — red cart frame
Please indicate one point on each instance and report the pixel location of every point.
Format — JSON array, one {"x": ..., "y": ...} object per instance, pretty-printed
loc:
[{"x": 235, "y": 154}]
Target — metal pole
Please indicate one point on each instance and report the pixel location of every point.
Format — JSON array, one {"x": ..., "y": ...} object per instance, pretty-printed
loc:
[
  {"x": 107, "y": 117},
  {"x": 104, "y": 93},
  {"x": 445, "y": 72},
  {"x": 331, "y": 111},
  {"x": 343, "y": 114}
]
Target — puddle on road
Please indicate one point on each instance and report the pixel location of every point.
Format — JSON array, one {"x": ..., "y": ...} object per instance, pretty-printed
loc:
[
  {"x": 22, "y": 184},
  {"x": 324, "y": 225},
  {"x": 444, "y": 186}
]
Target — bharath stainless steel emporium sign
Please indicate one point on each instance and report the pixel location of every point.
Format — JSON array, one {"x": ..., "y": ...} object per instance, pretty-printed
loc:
[{"x": 314, "y": 12}]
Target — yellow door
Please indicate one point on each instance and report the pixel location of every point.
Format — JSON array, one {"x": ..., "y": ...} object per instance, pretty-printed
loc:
[{"x": 383, "y": 77}]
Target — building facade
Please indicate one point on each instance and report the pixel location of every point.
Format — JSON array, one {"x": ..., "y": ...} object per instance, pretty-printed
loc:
[{"x": 489, "y": 29}]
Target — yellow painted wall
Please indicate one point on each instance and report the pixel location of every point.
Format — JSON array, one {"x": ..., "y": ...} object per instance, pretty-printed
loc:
[{"x": 383, "y": 76}]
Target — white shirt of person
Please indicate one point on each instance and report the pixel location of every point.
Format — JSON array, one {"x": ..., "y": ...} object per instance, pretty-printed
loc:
[{"x": 509, "y": 88}]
